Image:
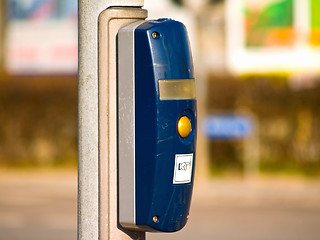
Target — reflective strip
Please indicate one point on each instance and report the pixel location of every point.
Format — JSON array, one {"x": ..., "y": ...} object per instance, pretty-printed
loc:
[{"x": 177, "y": 89}]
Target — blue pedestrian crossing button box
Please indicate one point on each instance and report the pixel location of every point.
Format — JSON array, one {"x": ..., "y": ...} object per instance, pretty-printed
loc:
[{"x": 156, "y": 125}]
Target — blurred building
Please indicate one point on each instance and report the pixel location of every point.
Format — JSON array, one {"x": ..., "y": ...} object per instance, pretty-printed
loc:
[
  {"x": 38, "y": 84},
  {"x": 260, "y": 59},
  {"x": 273, "y": 36},
  {"x": 2, "y": 35},
  {"x": 41, "y": 37}
]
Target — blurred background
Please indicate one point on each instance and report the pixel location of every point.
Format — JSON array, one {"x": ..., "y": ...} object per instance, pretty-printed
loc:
[{"x": 257, "y": 65}]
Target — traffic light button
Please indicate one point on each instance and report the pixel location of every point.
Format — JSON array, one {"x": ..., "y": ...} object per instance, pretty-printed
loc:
[{"x": 184, "y": 126}]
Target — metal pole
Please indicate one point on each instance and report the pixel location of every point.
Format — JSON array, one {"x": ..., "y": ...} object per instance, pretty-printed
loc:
[{"x": 97, "y": 213}]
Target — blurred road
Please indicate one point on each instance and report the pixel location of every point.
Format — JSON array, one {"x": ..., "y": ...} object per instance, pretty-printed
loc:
[
  {"x": 38, "y": 205},
  {"x": 42, "y": 205}
]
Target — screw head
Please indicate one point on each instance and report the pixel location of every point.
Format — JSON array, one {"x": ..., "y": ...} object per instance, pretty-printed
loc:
[
  {"x": 155, "y": 35},
  {"x": 155, "y": 219}
]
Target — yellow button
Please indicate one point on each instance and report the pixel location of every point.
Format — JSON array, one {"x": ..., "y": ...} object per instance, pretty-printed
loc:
[{"x": 184, "y": 126}]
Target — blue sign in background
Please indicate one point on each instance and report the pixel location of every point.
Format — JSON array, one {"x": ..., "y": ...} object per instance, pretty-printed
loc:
[
  {"x": 41, "y": 9},
  {"x": 227, "y": 126}
]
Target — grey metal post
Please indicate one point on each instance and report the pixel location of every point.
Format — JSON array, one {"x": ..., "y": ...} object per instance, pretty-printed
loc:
[{"x": 97, "y": 212}]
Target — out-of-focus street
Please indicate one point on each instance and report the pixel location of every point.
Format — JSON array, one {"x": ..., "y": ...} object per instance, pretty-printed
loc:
[
  {"x": 42, "y": 205},
  {"x": 37, "y": 205}
]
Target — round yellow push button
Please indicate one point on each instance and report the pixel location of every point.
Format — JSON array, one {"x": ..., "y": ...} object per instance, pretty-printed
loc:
[{"x": 184, "y": 126}]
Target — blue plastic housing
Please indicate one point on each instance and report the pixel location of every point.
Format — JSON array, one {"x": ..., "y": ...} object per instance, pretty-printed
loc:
[{"x": 165, "y": 55}]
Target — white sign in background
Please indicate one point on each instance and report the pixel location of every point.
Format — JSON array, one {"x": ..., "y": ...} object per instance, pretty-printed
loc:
[
  {"x": 42, "y": 37},
  {"x": 49, "y": 48}
]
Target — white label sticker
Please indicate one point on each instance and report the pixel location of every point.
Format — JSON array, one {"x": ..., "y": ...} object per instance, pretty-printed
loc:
[{"x": 183, "y": 168}]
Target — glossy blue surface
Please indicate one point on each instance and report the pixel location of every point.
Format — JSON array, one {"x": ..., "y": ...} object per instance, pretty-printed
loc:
[{"x": 167, "y": 56}]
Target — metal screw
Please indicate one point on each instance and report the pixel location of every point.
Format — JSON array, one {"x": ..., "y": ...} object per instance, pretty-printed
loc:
[
  {"x": 155, "y": 219},
  {"x": 155, "y": 35}
]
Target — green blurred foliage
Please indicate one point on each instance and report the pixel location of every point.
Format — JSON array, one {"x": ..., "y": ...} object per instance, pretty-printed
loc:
[
  {"x": 38, "y": 124},
  {"x": 275, "y": 14},
  {"x": 315, "y": 13},
  {"x": 287, "y": 123},
  {"x": 270, "y": 25}
]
